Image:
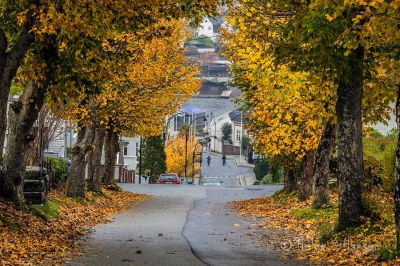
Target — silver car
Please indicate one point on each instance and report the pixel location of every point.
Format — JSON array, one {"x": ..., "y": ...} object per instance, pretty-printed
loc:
[{"x": 211, "y": 181}]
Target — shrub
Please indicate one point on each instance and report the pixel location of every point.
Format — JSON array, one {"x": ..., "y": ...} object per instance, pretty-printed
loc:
[
  {"x": 267, "y": 179},
  {"x": 262, "y": 168},
  {"x": 377, "y": 184},
  {"x": 226, "y": 131},
  {"x": 374, "y": 173},
  {"x": 58, "y": 170},
  {"x": 380, "y": 158}
]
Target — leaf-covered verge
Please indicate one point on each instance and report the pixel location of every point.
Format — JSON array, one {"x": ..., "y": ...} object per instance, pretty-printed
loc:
[
  {"x": 298, "y": 230},
  {"x": 45, "y": 235}
]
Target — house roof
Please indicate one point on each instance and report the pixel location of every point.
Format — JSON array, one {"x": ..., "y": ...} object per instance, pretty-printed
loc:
[
  {"x": 236, "y": 116},
  {"x": 192, "y": 110}
]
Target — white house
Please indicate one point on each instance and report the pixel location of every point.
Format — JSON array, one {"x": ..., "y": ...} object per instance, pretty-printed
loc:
[
  {"x": 61, "y": 135},
  {"x": 206, "y": 28},
  {"x": 130, "y": 151},
  {"x": 235, "y": 119}
]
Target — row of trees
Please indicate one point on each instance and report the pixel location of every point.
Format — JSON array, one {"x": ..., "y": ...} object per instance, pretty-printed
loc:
[
  {"x": 311, "y": 71},
  {"x": 112, "y": 67}
]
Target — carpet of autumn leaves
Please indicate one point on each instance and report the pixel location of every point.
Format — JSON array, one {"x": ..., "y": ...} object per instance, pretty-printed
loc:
[
  {"x": 299, "y": 231},
  {"x": 26, "y": 239}
]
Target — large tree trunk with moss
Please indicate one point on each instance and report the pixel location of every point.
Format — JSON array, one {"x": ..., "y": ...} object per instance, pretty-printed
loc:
[
  {"x": 322, "y": 158},
  {"x": 111, "y": 149},
  {"x": 94, "y": 160},
  {"x": 307, "y": 174},
  {"x": 350, "y": 157},
  {"x": 22, "y": 115},
  {"x": 76, "y": 180},
  {"x": 10, "y": 60},
  {"x": 290, "y": 183},
  {"x": 397, "y": 175}
]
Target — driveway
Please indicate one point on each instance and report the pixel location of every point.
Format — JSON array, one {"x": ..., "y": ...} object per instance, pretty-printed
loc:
[{"x": 180, "y": 225}]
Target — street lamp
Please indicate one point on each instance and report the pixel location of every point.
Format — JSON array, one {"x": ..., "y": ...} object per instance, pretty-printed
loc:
[
  {"x": 165, "y": 131},
  {"x": 186, "y": 140},
  {"x": 215, "y": 129}
]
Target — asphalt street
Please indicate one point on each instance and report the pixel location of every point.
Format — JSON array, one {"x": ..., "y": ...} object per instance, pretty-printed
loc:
[
  {"x": 227, "y": 173},
  {"x": 180, "y": 225}
]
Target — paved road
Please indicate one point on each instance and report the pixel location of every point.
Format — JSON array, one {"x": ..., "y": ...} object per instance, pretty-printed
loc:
[
  {"x": 217, "y": 106},
  {"x": 227, "y": 173},
  {"x": 180, "y": 225}
]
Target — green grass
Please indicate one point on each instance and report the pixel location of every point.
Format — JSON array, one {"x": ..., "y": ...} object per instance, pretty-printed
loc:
[
  {"x": 326, "y": 230},
  {"x": 11, "y": 224},
  {"x": 387, "y": 253},
  {"x": 47, "y": 211},
  {"x": 311, "y": 213}
]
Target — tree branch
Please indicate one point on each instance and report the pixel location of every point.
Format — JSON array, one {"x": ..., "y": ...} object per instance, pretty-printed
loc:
[{"x": 24, "y": 40}]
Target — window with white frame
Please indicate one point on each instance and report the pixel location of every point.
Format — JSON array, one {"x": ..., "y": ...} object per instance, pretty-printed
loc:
[
  {"x": 238, "y": 135},
  {"x": 137, "y": 149},
  {"x": 125, "y": 148}
]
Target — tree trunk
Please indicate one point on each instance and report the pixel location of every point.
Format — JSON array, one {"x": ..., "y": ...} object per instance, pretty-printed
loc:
[
  {"x": 350, "y": 157},
  {"x": 322, "y": 157},
  {"x": 9, "y": 64},
  {"x": 397, "y": 176},
  {"x": 95, "y": 160},
  {"x": 111, "y": 149},
  {"x": 76, "y": 180},
  {"x": 307, "y": 173},
  {"x": 290, "y": 183},
  {"x": 22, "y": 114}
]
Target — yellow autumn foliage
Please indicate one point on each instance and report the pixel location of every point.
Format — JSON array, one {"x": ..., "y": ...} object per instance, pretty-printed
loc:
[
  {"x": 287, "y": 108},
  {"x": 175, "y": 152}
]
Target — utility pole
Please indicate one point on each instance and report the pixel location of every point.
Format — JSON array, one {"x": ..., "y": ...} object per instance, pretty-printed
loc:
[
  {"x": 140, "y": 160},
  {"x": 186, "y": 147},
  {"x": 241, "y": 137},
  {"x": 215, "y": 129}
]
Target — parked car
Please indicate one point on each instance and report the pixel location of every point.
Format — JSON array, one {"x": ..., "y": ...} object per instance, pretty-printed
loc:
[
  {"x": 169, "y": 179},
  {"x": 211, "y": 181},
  {"x": 186, "y": 181}
]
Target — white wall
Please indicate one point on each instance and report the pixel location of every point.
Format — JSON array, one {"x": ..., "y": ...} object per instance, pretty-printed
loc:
[
  {"x": 206, "y": 28},
  {"x": 215, "y": 129},
  {"x": 236, "y": 129},
  {"x": 130, "y": 159}
]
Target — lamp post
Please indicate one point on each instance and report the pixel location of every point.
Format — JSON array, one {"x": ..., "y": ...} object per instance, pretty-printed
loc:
[
  {"x": 215, "y": 129},
  {"x": 165, "y": 131},
  {"x": 241, "y": 137},
  {"x": 140, "y": 160},
  {"x": 186, "y": 140}
]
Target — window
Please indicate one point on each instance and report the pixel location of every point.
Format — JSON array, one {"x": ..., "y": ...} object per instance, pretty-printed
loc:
[
  {"x": 125, "y": 149},
  {"x": 137, "y": 149},
  {"x": 209, "y": 27},
  {"x": 238, "y": 135}
]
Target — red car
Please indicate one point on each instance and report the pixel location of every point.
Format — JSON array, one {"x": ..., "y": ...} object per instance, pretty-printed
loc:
[{"x": 169, "y": 179}]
